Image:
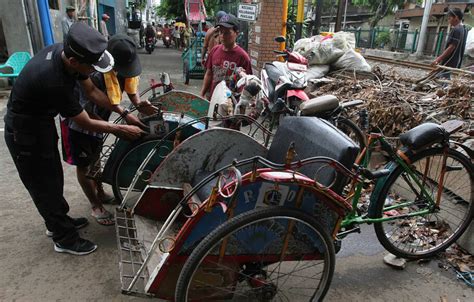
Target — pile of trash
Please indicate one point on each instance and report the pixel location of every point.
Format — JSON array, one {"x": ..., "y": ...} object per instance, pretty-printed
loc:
[
  {"x": 333, "y": 51},
  {"x": 393, "y": 103}
]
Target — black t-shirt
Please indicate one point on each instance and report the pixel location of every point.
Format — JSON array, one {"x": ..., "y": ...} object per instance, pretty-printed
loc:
[
  {"x": 44, "y": 88},
  {"x": 458, "y": 37}
]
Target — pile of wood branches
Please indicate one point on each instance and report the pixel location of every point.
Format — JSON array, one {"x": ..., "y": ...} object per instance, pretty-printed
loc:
[{"x": 396, "y": 104}]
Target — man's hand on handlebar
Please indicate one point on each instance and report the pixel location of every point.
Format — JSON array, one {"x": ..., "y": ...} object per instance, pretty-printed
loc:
[{"x": 146, "y": 108}]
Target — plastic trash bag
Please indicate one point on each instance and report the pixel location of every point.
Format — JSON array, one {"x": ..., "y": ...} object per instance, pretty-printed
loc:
[
  {"x": 316, "y": 72},
  {"x": 352, "y": 60}
]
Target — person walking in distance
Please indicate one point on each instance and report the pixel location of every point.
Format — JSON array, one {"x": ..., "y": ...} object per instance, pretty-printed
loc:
[
  {"x": 44, "y": 89},
  {"x": 68, "y": 20},
  {"x": 103, "y": 25},
  {"x": 456, "y": 43}
]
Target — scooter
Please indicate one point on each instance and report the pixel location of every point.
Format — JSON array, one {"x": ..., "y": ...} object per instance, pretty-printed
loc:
[
  {"x": 150, "y": 44},
  {"x": 285, "y": 81},
  {"x": 167, "y": 41},
  {"x": 159, "y": 34}
]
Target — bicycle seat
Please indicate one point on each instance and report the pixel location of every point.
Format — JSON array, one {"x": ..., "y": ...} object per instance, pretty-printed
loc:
[
  {"x": 319, "y": 105},
  {"x": 423, "y": 136}
]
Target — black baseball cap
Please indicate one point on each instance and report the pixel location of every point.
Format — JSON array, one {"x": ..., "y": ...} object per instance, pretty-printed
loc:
[
  {"x": 88, "y": 46},
  {"x": 229, "y": 21},
  {"x": 124, "y": 51}
]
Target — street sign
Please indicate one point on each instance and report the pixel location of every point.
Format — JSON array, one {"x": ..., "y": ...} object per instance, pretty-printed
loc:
[{"x": 247, "y": 12}]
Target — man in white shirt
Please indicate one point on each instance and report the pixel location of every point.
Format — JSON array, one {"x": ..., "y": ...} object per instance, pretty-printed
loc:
[
  {"x": 103, "y": 26},
  {"x": 69, "y": 20}
]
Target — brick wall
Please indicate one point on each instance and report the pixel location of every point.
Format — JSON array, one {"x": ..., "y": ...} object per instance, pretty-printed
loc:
[{"x": 264, "y": 30}]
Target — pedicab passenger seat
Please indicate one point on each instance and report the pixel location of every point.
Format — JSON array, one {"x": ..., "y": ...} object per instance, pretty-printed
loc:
[
  {"x": 314, "y": 137},
  {"x": 423, "y": 136},
  {"x": 319, "y": 105}
]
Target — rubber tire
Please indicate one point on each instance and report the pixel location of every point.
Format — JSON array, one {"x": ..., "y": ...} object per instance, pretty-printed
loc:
[
  {"x": 115, "y": 169},
  {"x": 348, "y": 124},
  {"x": 186, "y": 74},
  {"x": 392, "y": 178},
  {"x": 228, "y": 227}
]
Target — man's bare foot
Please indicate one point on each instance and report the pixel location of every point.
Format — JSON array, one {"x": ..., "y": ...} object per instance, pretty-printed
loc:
[{"x": 102, "y": 216}]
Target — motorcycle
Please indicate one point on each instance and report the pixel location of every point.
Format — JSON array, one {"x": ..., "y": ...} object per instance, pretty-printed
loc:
[
  {"x": 150, "y": 44},
  {"x": 167, "y": 41},
  {"x": 280, "y": 91},
  {"x": 159, "y": 34}
]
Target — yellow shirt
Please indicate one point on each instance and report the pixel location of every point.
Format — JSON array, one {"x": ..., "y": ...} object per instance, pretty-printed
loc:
[{"x": 114, "y": 92}]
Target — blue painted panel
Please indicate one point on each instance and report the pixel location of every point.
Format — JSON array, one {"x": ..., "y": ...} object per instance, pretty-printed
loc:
[{"x": 107, "y": 2}]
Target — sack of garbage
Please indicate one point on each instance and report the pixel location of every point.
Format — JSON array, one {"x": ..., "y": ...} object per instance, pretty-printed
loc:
[
  {"x": 470, "y": 43},
  {"x": 303, "y": 47},
  {"x": 316, "y": 72},
  {"x": 352, "y": 60},
  {"x": 344, "y": 40}
]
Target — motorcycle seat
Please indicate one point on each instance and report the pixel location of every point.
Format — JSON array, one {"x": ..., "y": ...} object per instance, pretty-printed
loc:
[{"x": 319, "y": 105}]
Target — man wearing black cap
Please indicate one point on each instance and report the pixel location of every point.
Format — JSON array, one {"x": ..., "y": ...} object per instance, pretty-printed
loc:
[
  {"x": 44, "y": 88},
  {"x": 82, "y": 147},
  {"x": 456, "y": 43},
  {"x": 225, "y": 60}
]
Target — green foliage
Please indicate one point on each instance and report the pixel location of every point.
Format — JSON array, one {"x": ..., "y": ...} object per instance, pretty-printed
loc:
[
  {"x": 381, "y": 8},
  {"x": 383, "y": 38},
  {"x": 171, "y": 9}
]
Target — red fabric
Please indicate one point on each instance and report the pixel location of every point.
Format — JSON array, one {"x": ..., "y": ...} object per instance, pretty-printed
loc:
[{"x": 223, "y": 63}]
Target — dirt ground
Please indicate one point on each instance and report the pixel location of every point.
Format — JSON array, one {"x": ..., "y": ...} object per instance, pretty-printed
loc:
[{"x": 32, "y": 271}]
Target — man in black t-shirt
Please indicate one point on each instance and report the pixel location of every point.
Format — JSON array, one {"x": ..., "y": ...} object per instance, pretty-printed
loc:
[
  {"x": 456, "y": 43},
  {"x": 44, "y": 88}
]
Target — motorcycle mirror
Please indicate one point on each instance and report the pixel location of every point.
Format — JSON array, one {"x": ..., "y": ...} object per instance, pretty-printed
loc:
[{"x": 280, "y": 39}]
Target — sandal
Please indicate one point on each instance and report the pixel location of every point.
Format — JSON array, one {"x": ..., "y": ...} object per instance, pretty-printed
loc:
[{"x": 103, "y": 217}]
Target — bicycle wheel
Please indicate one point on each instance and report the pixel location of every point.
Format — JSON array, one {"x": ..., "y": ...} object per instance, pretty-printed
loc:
[
  {"x": 352, "y": 131},
  {"x": 127, "y": 165},
  {"x": 270, "y": 253},
  {"x": 425, "y": 235}
]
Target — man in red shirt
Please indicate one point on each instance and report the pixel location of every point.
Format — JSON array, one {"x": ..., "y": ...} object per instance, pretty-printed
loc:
[{"x": 225, "y": 60}]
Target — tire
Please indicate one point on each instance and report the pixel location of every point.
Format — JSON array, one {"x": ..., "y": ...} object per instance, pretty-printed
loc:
[
  {"x": 249, "y": 272},
  {"x": 186, "y": 74},
  {"x": 117, "y": 189},
  {"x": 425, "y": 236},
  {"x": 353, "y": 132}
]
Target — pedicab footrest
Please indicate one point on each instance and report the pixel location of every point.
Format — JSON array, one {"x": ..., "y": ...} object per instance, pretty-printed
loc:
[{"x": 130, "y": 252}]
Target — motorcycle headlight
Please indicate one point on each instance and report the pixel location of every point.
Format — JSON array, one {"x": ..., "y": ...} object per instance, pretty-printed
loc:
[{"x": 159, "y": 32}]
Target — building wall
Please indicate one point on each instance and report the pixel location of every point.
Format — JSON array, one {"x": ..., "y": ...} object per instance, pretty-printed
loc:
[
  {"x": 15, "y": 29},
  {"x": 263, "y": 31}
]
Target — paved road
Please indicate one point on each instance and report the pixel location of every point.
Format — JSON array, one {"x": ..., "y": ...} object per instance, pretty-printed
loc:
[{"x": 32, "y": 271}]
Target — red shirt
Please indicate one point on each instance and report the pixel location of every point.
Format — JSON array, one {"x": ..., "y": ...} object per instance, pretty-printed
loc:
[{"x": 223, "y": 63}]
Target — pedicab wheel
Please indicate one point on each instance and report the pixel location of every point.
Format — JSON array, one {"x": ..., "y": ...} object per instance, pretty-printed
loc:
[
  {"x": 423, "y": 236},
  {"x": 267, "y": 253},
  {"x": 132, "y": 152},
  {"x": 186, "y": 73}
]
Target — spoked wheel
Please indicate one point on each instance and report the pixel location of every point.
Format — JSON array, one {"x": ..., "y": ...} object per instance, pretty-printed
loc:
[
  {"x": 128, "y": 163},
  {"x": 425, "y": 235},
  {"x": 353, "y": 132},
  {"x": 268, "y": 254}
]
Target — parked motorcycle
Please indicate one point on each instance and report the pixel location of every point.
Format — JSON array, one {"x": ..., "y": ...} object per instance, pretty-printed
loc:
[
  {"x": 150, "y": 44},
  {"x": 280, "y": 91}
]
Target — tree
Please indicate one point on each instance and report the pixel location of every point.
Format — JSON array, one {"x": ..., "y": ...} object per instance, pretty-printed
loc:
[{"x": 381, "y": 8}]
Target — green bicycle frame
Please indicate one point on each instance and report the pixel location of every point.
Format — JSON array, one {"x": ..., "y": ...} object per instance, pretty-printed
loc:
[{"x": 353, "y": 218}]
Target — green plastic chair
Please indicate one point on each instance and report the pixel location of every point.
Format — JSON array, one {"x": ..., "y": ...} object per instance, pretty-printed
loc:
[{"x": 16, "y": 61}]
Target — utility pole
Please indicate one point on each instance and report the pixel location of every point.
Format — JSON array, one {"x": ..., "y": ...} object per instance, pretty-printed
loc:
[
  {"x": 317, "y": 19},
  {"x": 340, "y": 11},
  {"x": 299, "y": 20},
  {"x": 424, "y": 28}
]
